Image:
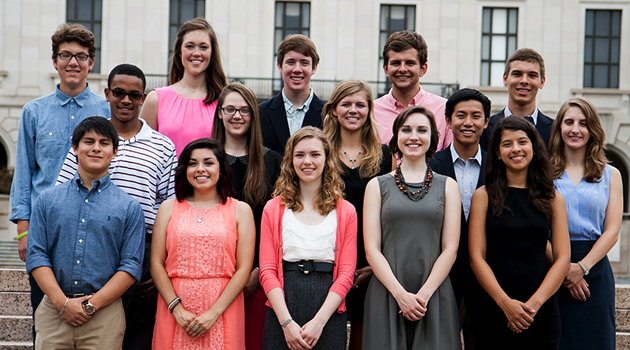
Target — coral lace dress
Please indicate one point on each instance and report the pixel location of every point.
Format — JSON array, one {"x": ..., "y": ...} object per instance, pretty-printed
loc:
[{"x": 201, "y": 259}]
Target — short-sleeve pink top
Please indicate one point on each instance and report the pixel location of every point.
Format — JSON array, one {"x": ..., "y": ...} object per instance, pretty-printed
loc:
[{"x": 183, "y": 119}]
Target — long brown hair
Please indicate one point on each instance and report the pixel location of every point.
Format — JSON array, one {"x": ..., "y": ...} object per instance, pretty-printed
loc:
[
  {"x": 255, "y": 184},
  {"x": 540, "y": 190},
  {"x": 288, "y": 184},
  {"x": 370, "y": 137},
  {"x": 215, "y": 77},
  {"x": 595, "y": 159}
]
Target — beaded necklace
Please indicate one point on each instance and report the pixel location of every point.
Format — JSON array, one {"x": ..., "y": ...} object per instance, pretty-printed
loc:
[
  {"x": 404, "y": 187},
  {"x": 350, "y": 158}
]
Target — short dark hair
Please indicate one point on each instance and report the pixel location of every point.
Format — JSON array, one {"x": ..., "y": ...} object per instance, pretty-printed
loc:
[
  {"x": 402, "y": 118},
  {"x": 467, "y": 94},
  {"x": 526, "y": 55},
  {"x": 298, "y": 43},
  {"x": 126, "y": 69},
  {"x": 184, "y": 189},
  {"x": 68, "y": 32},
  {"x": 405, "y": 40},
  {"x": 100, "y": 126}
]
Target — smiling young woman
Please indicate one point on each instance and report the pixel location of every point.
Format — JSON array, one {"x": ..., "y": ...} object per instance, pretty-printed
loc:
[
  {"x": 201, "y": 255},
  {"x": 184, "y": 110},
  {"x": 411, "y": 221},
  {"x": 255, "y": 169},
  {"x": 307, "y": 249},
  {"x": 512, "y": 218},
  {"x": 350, "y": 126},
  {"x": 590, "y": 185}
]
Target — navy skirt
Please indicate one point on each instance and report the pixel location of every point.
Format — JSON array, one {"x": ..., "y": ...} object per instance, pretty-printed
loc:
[{"x": 589, "y": 324}]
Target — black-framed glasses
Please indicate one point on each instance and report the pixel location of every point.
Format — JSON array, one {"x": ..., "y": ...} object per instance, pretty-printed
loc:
[
  {"x": 230, "y": 111},
  {"x": 133, "y": 95},
  {"x": 66, "y": 56}
]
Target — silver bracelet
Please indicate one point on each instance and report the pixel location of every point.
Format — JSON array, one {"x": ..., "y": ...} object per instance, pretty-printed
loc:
[
  {"x": 286, "y": 323},
  {"x": 64, "y": 306}
]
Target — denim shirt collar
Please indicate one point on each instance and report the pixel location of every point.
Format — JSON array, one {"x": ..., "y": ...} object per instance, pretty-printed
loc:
[
  {"x": 97, "y": 185},
  {"x": 80, "y": 99}
]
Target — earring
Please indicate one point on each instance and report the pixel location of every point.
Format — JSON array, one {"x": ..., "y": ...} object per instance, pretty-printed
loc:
[{"x": 499, "y": 157}]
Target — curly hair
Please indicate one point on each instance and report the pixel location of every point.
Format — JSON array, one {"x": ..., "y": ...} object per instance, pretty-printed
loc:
[
  {"x": 68, "y": 32},
  {"x": 595, "y": 159},
  {"x": 370, "y": 136},
  {"x": 215, "y": 76},
  {"x": 539, "y": 181},
  {"x": 288, "y": 184},
  {"x": 255, "y": 183}
]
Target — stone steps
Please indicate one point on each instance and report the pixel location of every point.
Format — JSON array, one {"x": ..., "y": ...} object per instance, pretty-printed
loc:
[{"x": 16, "y": 322}]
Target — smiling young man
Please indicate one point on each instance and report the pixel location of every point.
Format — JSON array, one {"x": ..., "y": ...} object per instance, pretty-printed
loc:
[
  {"x": 405, "y": 62},
  {"x": 467, "y": 114},
  {"x": 46, "y": 128},
  {"x": 524, "y": 76},
  {"x": 85, "y": 248},
  {"x": 296, "y": 106},
  {"x": 145, "y": 169}
]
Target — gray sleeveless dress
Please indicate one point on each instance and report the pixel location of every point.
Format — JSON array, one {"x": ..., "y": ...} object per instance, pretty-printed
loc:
[{"x": 411, "y": 241}]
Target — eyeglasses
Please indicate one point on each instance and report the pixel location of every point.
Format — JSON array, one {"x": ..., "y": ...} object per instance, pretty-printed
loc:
[
  {"x": 66, "y": 56},
  {"x": 120, "y": 93},
  {"x": 230, "y": 111}
]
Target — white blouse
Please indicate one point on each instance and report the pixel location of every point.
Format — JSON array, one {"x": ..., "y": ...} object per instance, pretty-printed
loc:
[{"x": 314, "y": 242}]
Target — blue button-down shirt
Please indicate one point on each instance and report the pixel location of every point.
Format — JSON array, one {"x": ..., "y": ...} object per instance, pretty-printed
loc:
[
  {"x": 44, "y": 138},
  {"x": 295, "y": 115},
  {"x": 86, "y": 236},
  {"x": 467, "y": 173}
]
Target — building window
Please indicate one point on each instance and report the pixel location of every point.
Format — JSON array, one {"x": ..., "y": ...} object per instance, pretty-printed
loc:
[
  {"x": 291, "y": 18},
  {"x": 393, "y": 18},
  {"x": 89, "y": 14},
  {"x": 601, "y": 49},
  {"x": 181, "y": 11},
  {"x": 498, "y": 41}
]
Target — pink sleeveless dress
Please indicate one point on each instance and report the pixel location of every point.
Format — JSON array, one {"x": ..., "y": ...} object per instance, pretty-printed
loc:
[
  {"x": 183, "y": 119},
  {"x": 201, "y": 259}
]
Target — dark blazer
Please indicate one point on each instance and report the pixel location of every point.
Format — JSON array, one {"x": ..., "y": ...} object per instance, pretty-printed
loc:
[
  {"x": 461, "y": 273},
  {"x": 543, "y": 125},
  {"x": 274, "y": 125}
]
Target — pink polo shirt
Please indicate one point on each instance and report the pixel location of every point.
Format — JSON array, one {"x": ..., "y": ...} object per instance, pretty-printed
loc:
[{"x": 387, "y": 108}]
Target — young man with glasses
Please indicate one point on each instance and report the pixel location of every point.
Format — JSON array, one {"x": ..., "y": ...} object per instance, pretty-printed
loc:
[
  {"x": 46, "y": 126},
  {"x": 145, "y": 169}
]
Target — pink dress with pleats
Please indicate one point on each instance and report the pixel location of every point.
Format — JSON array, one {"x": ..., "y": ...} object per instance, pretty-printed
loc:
[
  {"x": 183, "y": 119},
  {"x": 201, "y": 259}
]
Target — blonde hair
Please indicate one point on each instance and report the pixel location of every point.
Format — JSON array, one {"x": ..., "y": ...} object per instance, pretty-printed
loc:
[
  {"x": 370, "y": 137},
  {"x": 595, "y": 159},
  {"x": 288, "y": 184}
]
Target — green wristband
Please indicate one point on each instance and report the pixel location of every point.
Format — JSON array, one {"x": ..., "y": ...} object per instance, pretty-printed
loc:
[{"x": 22, "y": 234}]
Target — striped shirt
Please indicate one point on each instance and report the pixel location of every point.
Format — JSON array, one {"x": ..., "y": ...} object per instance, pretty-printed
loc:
[{"x": 144, "y": 168}]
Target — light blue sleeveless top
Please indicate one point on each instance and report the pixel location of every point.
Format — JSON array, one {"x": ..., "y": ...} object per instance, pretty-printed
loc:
[{"x": 586, "y": 205}]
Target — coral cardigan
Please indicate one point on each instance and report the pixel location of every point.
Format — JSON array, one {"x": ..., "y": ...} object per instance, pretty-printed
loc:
[{"x": 271, "y": 273}]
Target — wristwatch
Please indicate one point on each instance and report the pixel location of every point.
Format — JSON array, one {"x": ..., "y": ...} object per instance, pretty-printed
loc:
[
  {"x": 584, "y": 269},
  {"x": 88, "y": 308}
]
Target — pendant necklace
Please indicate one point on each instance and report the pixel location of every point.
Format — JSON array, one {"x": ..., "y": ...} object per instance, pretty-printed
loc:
[
  {"x": 350, "y": 158},
  {"x": 189, "y": 89},
  {"x": 308, "y": 212},
  {"x": 202, "y": 214}
]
